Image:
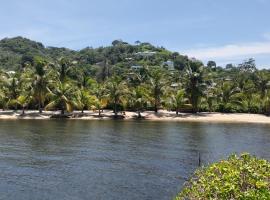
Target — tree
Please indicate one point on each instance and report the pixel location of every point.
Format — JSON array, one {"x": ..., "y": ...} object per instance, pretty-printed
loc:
[
  {"x": 194, "y": 83},
  {"x": 248, "y": 65},
  {"x": 101, "y": 99},
  {"x": 156, "y": 84},
  {"x": 13, "y": 90},
  {"x": 211, "y": 64},
  {"x": 83, "y": 100},
  {"x": 139, "y": 98},
  {"x": 24, "y": 100},
  {"x": 230, "y": 97},
  {"x": 40, "y": 82},
  {"x": 62, "y": 95},
  {"x": 176, "y": 100},
  {"x": 117, "y": 91}
]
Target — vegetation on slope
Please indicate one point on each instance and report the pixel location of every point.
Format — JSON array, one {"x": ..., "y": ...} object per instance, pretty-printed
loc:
[{"x": 125, "y": 77}]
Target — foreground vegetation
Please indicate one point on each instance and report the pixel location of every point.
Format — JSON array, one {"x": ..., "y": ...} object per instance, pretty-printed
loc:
[
  {"x": 125, "y": 77},
  {"x": 245, "y": 177}
]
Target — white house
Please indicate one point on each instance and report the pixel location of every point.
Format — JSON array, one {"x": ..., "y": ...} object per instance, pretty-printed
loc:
[
  {"x": 169, "y": 64},
  {"x": 145, "y": 53},
  {"x": 136, "y": 67}
]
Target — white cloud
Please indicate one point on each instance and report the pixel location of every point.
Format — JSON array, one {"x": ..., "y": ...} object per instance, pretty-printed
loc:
[{"x": 231, "y": 51}]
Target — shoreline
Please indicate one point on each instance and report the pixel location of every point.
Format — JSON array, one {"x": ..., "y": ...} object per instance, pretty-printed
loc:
[{"x": 162, "y": 115}]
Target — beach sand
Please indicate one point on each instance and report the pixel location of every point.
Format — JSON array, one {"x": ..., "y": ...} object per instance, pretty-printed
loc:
[{"x": 162, "y": 115}]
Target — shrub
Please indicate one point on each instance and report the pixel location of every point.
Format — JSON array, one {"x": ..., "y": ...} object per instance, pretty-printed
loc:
[{"x": 245, "y": 177}]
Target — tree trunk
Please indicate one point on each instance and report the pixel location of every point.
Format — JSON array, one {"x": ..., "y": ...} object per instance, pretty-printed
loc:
[
  {"x": 62, "y": 111},
  {"x": 139, "y": 114},
  {"x": 115, "y": 108},
  {"x": 82, "y": 111},
  {"x": 177, "y": 111},
  {"x": 39, "y": 107},
  {"x": 156, "y": 105},
  {"x": 23, "y": 111},
  {"x": 99, "y": 112}
]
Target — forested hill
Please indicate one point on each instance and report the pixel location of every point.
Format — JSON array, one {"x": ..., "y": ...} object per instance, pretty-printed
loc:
[{"x": 14, "y": 52}]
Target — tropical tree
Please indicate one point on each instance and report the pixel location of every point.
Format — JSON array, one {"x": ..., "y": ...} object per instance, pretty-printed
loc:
[
  {"x": 64, "y": 68},
  {"x": 3, "y": 89},
  {"x": 262, "y": 85},
  {"x": 194, "y": 83},
  {"x": 230, "y": 97},
  {"x": 139, "y": 98},
  {"x": 83, "y": 100},
  {"x": 157, "y": 83},
  {"x": 175, "y": 100},
  {"x": 117, "y": 92},
  {"x": 24, "y": 100},
  {"x": 100, "y": 97},
  {"x": 13, "y": 90},
  {"x": 40, "y": 82},
  {"x": 62, "y": 96}
]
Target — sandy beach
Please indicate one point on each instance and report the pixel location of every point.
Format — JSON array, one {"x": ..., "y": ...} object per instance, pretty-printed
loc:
[{"x": 162, "y": 115}]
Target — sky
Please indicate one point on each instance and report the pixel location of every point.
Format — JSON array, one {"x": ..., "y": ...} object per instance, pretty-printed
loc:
[{"x": 227, "y": 31}]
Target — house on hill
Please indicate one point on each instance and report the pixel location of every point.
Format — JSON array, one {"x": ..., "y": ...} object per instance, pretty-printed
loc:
[{"x": 169, "y": 64}]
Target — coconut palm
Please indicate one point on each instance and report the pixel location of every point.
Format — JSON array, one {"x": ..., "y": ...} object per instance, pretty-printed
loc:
[
  {"x": 139, "y": 98},
  {"x": 262, "y": 85},
  {"x": 13, "y": 90},
  {"x": 230, "y": 96},
  {"x": 40, "y": 82},
  {"x": 83, "y": 100},
  {"x": 24, "y": 100},
  {"x": 62, "y": 95},
  {"x": 157, "y": 83},
  {"x": 117, "y": 92},
  {"x": 194, "y": 83},
  {"x": 175, "y": 100},
  {"x": 101, "y": 99}
]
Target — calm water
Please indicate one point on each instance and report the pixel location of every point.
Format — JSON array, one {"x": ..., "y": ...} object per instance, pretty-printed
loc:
[{"x": 113, "y": 159}]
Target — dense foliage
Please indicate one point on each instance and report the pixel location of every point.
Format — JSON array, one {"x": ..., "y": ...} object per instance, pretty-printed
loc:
[
  {"x": 125, "y": 77},
  {"x": 245, "y": 177}
]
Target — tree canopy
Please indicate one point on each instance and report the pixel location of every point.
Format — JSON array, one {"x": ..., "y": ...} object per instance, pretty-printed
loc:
[{"x": 125, "y": 77}]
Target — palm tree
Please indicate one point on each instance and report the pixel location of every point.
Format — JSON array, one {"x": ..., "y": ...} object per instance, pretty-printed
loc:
[
  {"x": 3, "y": 90},
  {"x": 157, "y": 83},
  {"x": 262, "y": 84},
  {"x": 63, "y": 96},
  {"x": 40, "y": 82},
  {"x": 64, "y": 68},
  {"x": 230, "y": 95},
  {"x": 175, "y": 100},
  {"x": 13, "y": 92},
  {"x": 24, "y": 100},
  {"x": 101, "y": 99},
  {"x": 139, "y": 97},
  {"x": 210, "y": 96},
  {"x": 194, "y": 83},
  {"x": 21, "y": 90},
  {"x": 117, "y": 92},
  {"x": 84, "y": 100}
]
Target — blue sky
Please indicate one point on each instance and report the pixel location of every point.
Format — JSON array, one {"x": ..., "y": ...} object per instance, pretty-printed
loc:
[{"x": 227, "y": 31}]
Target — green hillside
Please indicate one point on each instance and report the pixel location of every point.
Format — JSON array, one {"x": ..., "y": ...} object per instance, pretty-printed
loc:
[{"x": 14, "y": 52}]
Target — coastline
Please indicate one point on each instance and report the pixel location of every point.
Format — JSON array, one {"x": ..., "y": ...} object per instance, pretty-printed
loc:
[{"x": 162, "y": 115}]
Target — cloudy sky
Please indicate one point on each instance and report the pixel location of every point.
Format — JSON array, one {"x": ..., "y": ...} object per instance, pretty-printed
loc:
[{"x": 227, "y": 31}]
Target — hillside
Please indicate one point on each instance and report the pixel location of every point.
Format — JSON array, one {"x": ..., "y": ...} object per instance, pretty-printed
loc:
[{"x": 16, "y": 51}]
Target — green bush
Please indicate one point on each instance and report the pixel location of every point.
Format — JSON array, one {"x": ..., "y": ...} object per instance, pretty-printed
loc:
[{"x": 245, "y": 177}]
